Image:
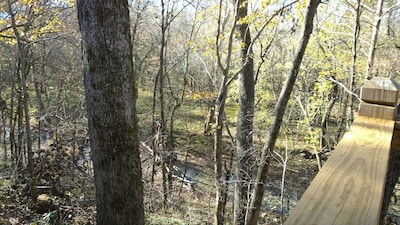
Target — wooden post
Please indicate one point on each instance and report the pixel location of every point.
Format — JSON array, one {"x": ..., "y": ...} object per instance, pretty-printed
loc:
[
  {"x": 379, "y": 98},
  {"x": 349, "y": 188}
]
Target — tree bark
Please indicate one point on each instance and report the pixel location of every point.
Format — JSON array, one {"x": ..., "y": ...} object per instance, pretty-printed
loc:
[
  {"x": 333, "y": 96},
  {"x": 3, "y": 108},
  {"x": 353, "y": 72},
  {"x": 219, "y": 116},
  {"x": 12, "y": 124},
  {"x": 110, "y": 88},
  {"x": 23, "y": 71},
  {"x": 279, "y": 111},
  {"x": 244, "y": 134},
  {"x": 218, "y": 153},
  {"x": 374, "y": 39},
  {"x": 165, "y": 153}
]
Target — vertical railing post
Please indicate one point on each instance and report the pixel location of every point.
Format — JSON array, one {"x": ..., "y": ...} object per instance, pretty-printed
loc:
[{"x": 379, "y": 98}]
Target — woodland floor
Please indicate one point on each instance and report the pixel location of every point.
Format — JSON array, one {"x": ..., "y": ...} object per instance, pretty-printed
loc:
[
  {"x": 69, "y": 190},
  {"x": 64, "y": 178}
]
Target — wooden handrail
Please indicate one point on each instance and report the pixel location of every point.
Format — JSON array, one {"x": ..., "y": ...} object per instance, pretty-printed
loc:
[{"x": 350, "y": 187}]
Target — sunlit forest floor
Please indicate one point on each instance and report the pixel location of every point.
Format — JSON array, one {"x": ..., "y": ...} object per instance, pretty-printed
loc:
[
  {"x": 64, "y": 177},
  {"x": 67, "y": 192}
]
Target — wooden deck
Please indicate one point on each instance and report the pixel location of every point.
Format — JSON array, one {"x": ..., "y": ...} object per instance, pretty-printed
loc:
[{"x": 350, "y": 187}]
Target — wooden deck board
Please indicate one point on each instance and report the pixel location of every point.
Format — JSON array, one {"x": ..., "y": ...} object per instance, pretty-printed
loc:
[{"x": 349, "y": 188}]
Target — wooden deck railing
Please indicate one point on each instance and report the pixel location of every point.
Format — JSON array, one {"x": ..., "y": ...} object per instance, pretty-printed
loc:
[{"x": 349, "y": 189}]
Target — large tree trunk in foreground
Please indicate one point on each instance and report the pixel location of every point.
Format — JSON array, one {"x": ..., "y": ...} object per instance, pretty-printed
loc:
[
  {"x": 279, "y": 111},
  {"x": 111, "y": 104}
]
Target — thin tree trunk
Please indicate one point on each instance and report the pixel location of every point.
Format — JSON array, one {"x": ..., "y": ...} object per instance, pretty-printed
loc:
[
  {"x": 38, "y": 83},
  {"x": 3, "y": 108},
  {"x": 333, "y": 96},
  {"x": 20, "y": 132},
  {"x": 219, "y": 116},
  {"x": 23, "y": 72},
  {"x": 244, "y": 134},
  {"x": 154, "y": 129},
  {"x": 164, "y": 142},
  {"x": 164, "y": 181},
  {"x": 209, "y": 119},
  {"x": 32, "y": 178},
  {"x": 12, "y": 125},
  {"x": 352, "y": 82},
  {"x": 279, "y": 111},
  {"x": 218, "y": 154},
  {"x": 374, "y": 39}
]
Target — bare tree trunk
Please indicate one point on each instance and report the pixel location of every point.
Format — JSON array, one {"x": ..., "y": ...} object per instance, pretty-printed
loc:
[
  {"x": 38, "y": 81},
  {"x": 12, "y": 125},
  {"x": 166, "y": 160},
  {"x": 178, "y": 95},
  {"x": 154, "y": 129},
  {"x": 20, "y": 130},
  {"x": 374, "y": 39},
  {"x": 3, "y": 108},
  {"x": 209, "y": 119},
  {"x": 244, "y": 134},
  {"x": 23, "y": 71},
  {"x": 279, "y": 111},
  {"x": 218, "y": 154},
  {"x": 333, "y": 96},
  {"x": 353, "y": 73},
  {"x": 219, "y": 119},
  {"x": 32, "y": 179},
  {"x": 111, "y": 93}
]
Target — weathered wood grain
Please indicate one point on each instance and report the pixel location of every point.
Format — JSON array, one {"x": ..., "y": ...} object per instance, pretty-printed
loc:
[
  {"x": 350, "y": 186},
  {"x": 377, "y": 111},
  {"x": 380, "y": 90},
  {"x": 396, "y": 135}
]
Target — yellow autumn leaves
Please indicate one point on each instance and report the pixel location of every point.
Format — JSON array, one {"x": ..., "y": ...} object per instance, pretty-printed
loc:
[{"x": 34, "y": 19}]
